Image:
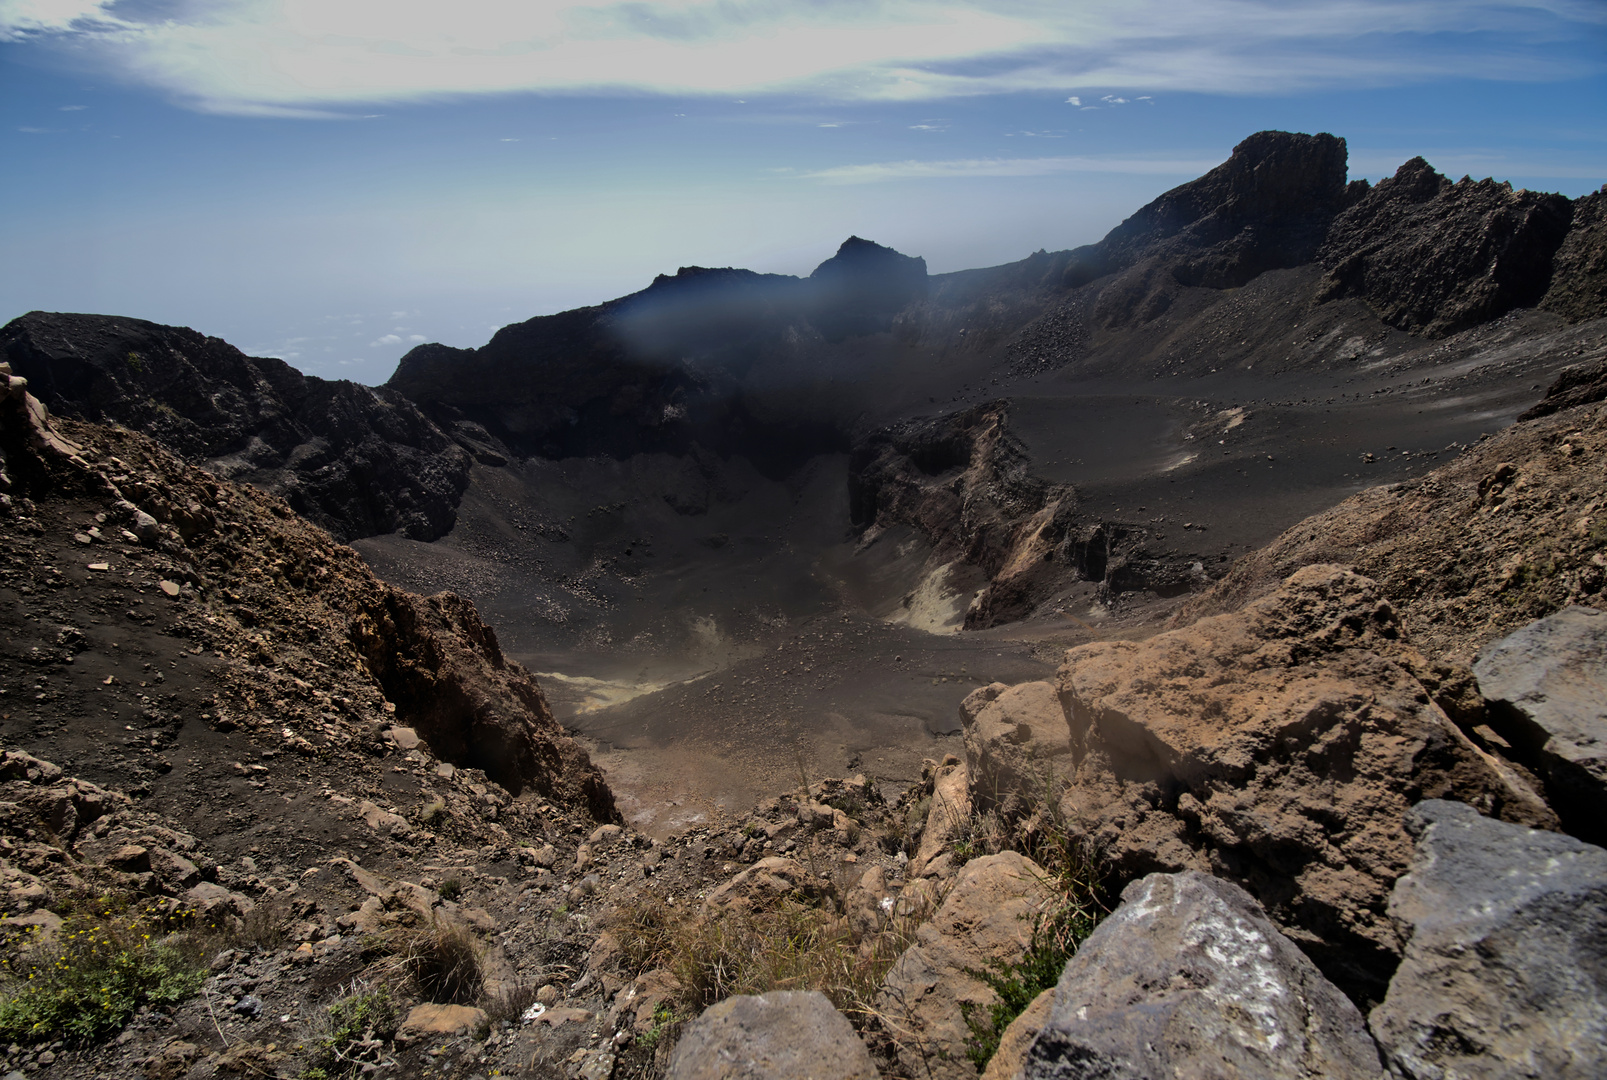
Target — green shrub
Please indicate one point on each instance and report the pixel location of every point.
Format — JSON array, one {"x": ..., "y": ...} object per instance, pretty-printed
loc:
[
  {"x": 451, "y": 889},
  {"x": 89, "y": 980},
  {"x": 1056, "y": 935},
  {"x": 359, "y": 1025}
]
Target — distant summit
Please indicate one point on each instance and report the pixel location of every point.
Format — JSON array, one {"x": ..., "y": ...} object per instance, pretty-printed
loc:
[{"x": 860, "y": 289}]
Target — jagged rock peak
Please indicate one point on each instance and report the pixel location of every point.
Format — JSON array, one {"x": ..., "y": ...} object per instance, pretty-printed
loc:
[
  {"x": 861, "y": 258},
  {"x": 1268, "y": 174},
  {"x": 711, "y": 275}
]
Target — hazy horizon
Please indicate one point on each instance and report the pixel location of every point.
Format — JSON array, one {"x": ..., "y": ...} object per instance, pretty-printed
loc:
[{"x": 335, "y": 182}]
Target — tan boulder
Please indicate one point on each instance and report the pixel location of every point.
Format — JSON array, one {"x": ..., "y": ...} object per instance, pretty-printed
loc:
[
  {"x": 987, "y": 917},
  {"x": 763, "y": 883},
  {"x": 1279, "y": 747},
  {"x": 382, "y": 821},
  {"x": 1015, "y": 736},
  {"x": 948, "y": 816},
  {"x": 782, "y": 1035},
  {"x": 426, "y": 1020}
]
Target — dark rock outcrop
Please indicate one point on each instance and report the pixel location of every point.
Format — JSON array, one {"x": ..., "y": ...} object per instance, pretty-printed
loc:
[
  {"x": 1435, "y": 257},
  {"x": 1582, "y": 384},
  {"x": 858, "y": 290},
  {"x": 1189, "y": 978},
  {"x": 357, "y": 460},
  {"x": 1546, "y": 688},
  {"x": 782, "y": 1035},
  {"x": 1267, "y": 207},
  {"x": 1506, "y": 943},
  {"x": 1579, "y": 269}
]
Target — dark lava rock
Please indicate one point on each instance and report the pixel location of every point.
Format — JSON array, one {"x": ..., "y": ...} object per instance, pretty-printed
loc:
[
  {"x": 1434, "y": 257},
  {"x": 1268, "y": 206},
  {"x": 1188, "y": 978},
  {"x": 1579, "y": 270},
  {"x": 357, "y": 460},
  {"x": 1506, "y": 948},
  {"x": 858, "y": 290},
  {"x": 782, "y": 1035},
  {"x": 1582, "y": 384},
  {"x": 1546, "y": 686}
]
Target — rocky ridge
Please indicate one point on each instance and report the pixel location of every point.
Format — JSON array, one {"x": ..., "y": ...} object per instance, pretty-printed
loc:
[{"x": 356, "y": 460}]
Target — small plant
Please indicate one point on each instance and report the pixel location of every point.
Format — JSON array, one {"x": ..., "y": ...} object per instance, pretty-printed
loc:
[
  {"x": 432, "y": 812},
  {"x": 136, "y": 363},
  {"x": 663, "y": 1022},
  {"x": 106, "y": 962},
  {"x": 1056, "y": 935},
  {"x": 451, "y": 889},
  {"x": 359, "y": 1025}
]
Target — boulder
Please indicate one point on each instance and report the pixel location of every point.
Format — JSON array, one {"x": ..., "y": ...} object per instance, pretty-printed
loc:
[
  {"x": 782, "y": 1035},
  {"x": 426, "y": 1020},
  {"x": 1546, "y": 686},
  {"x": 762, "y": 884},
  {"x": 1013, "y": 736},
  {"x": 1506, "y": 945},
  {"x": 987, "y": 918},
  {"x": 948, "y": 815},
  {"x": 1279, "y": 747},
  {"x": 1188, "y": 978}
]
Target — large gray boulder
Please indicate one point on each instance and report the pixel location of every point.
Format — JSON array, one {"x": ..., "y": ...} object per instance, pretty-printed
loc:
[
  {"x": 1547, "y": 689},
  {"x": 1505, "y": 971},
  {"x": 1188, "y": 979},
  {"x": 782, "y": 1035}
]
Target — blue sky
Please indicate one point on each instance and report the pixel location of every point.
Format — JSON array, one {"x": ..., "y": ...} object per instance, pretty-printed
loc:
[{"x": 332, "y": 181}]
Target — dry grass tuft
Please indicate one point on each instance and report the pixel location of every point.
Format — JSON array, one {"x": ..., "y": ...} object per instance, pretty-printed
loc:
[{"x": 443, "y": 959}]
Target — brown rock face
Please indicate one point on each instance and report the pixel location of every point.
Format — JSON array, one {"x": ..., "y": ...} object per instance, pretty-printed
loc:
[
  {"x": 472, "y": 705},
  {"x": 1280, "y": 748},
  {"x": 279, "y": 596},
  {"x": 1015, "y": 738}
]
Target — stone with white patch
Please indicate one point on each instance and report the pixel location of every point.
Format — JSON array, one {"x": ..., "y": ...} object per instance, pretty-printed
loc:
[
  {"x": 1505, "y": 972},
  {"x": 1188, "y": 979}
]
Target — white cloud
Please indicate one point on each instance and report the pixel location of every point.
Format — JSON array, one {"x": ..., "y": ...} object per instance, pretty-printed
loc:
[
  {"x": 415, "y": 338},
  {"x": 1074, "y": 100},
  {"x": 320, "y": 58},
  {"x": 388, "y": 339},
  {"x": 905, "y": 170},
  {"x": 73, "y": 108},
  {"x": 20, "y": 19}
]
